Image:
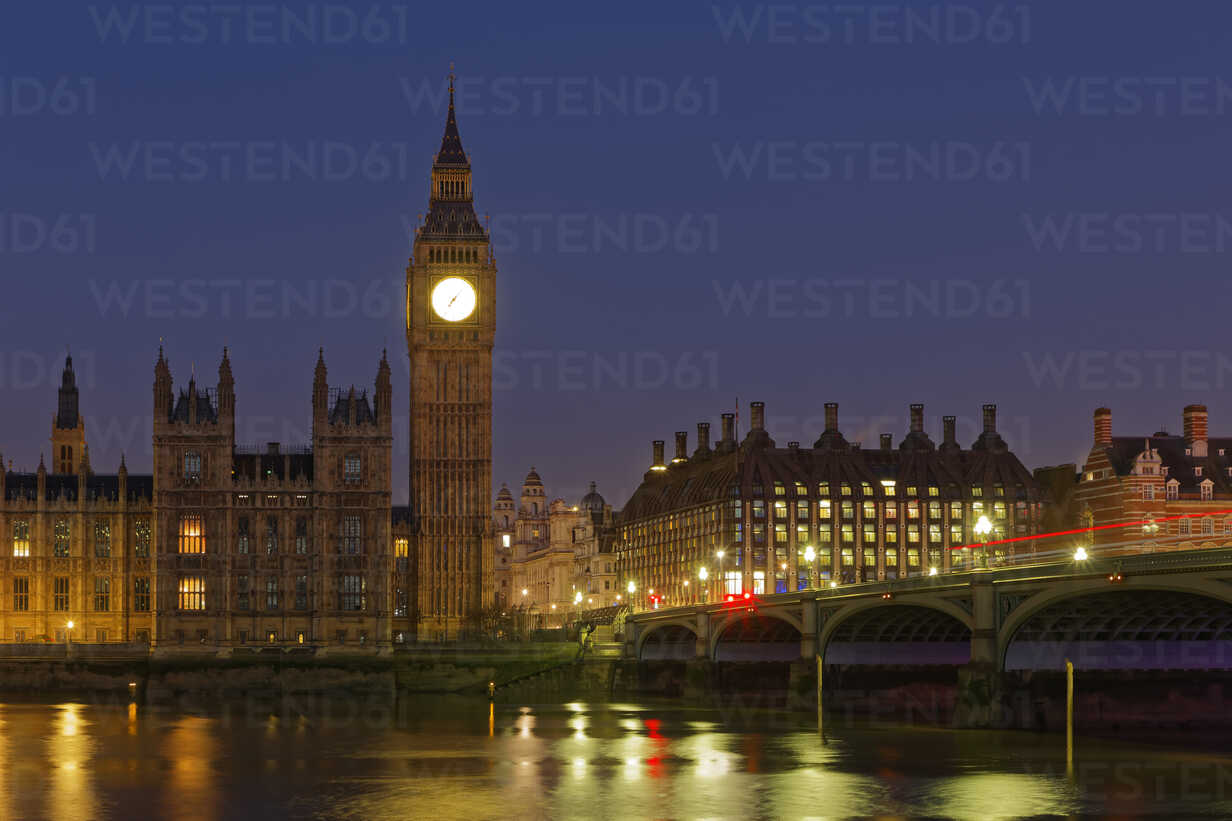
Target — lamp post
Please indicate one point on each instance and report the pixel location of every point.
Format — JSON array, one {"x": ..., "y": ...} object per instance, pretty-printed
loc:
[
  {"x": 722, "y": 579},
  {"x": 809, "y": 556},
  {"x": 686, "y": 591},
  {"x": 631, "y": 589},
  {"x": 1080, "y": 555},
  {"x": 68, "y": 637},
  {"x": 983, "y": 527},
  {"x": 703, "y": 574}
]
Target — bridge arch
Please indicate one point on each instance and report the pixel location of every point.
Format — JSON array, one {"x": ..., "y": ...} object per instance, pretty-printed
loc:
[
  {"x": 667, "y": 640},
  {"x": 773, "y": 635},
  {"x": 926, "y": 630},
  {"x": 1159, "y": 623}
]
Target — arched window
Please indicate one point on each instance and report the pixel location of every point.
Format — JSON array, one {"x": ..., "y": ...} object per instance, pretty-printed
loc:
[
  {"x": 351, "y": 468},
  {"x": 192, "y": 464}
]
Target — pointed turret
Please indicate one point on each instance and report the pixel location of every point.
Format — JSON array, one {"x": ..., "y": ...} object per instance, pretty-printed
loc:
[
  {"x": 162, "y": 387},
  {"x": 68, "y": 429},
  {"x": 320, "y": 392},
  {"x": 384, "y": 392},
  {"x": 451, "y": 152},
  {"x": 451, "y": 212},
  {"x": 226, "y": 386},
  {"x": 66, "y": 415}
]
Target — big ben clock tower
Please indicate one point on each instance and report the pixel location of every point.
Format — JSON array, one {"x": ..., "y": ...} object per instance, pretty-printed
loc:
[{"x": 450, "y": 323}]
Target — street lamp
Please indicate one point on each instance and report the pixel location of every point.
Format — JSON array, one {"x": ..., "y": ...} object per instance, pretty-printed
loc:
[
  {"x": 722, "y": 579},
  {"x": 983, "y": 528},
  {"x": 703, "y": 574},
  {"x": 1080, "y": 555},
  {"x": 809, "y": 555}
]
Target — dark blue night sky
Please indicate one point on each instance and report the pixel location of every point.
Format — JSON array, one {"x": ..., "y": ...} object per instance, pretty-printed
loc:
[{"x": 952, "y": 204}]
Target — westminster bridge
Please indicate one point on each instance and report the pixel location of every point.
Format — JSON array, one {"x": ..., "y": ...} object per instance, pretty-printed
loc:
[{"x": 1169, "y": 610}]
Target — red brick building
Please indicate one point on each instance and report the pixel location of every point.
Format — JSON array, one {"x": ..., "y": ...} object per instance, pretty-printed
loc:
[{"x": 1148, "y": 479}]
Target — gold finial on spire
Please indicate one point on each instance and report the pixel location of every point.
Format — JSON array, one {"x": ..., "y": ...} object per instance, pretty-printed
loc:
[{"x": 451, "y": 78}]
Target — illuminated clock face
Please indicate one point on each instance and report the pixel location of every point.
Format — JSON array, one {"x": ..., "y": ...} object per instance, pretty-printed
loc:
[{"x": 453, "y": 299}]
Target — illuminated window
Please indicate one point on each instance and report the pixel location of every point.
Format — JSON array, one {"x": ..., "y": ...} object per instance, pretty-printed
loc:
[
  {"x": 505, "y": 540},
  {"x": 933, "y": 490},
  {"x": 849, "y": 534},
  {"x": 891, "y": 510},
  {"x": 848, "y": 557},
  {"x": 823, "y": 509},
  {"x": 351, "y": 468},
  {"x": 779, "y": 489},
  {"x": 351, "y": 593},
  {"x": 870, "y": 533},
  {"x": 913, "y": 534},
  {"x": 59, "y": 598},
  {"x": 956, "y": 510},
  {"x": 402, "y": 547},
  {"x": 823, "y": 489},
  {"x": 192, "y": 593},
  {"x": 102, "y": 594},
  {"x": 869, "y": 510},
  {"x": 141, "y": 538},
  {"x": 891, "y": 558},
  {"x": 102, "y": 538},
  {"x": 271, "y": 593},
  {"x": 870, "y": 557},
  {"x": 192, "y": 534},
  {"x": 21, "y": 593},
  {"x": 780, "y": 534},
  {"x": 934, "y": 533},
  {"x": 825, "y": 535},
  {"x": 844, "y": 489},
  {"x": 802, "y": 534},
  {"x": 21, "y": 538},
  {"x": 891, "y": 534},
  {"x": 849, "y": 510},
  {"x": 351, "y": 533},
  {"x": 192, "y": 465},
  {"x": 976, "y": 491},
  {"x": 780, "y": 509},
  {"x": 913, "y": 557},
  {"x": 141, "y": 594},
  {"x": 759, "y": 582},
  {"x": 759, "y": 509},
  {"x": 913, "y": 510},
  {"x": 956, "y": 534},
  {"x": 63, "y": 538}
]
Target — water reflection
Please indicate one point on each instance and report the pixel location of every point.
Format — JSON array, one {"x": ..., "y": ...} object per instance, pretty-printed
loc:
[{"x": 473, "y": 760}]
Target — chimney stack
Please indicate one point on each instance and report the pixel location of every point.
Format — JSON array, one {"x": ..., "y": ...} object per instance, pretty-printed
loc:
[
  {"x": 1195, "y": 429},
  {"x": 1103, "y": 426},
  {"x": 657, "y": 455},
  {"x": 948, "y": 424},
  {"x": 757, "y": 415},
  {"x": 831, "y": 416},
  {"x": 990, "y": 419},
  {"x": 703, "y": 438},
  {"x": 682, "y": 447},
  {"x": 729, "y": 429},
  {"x": 794, "y": 447},
  {"x": 917, "y": 418},
  {"x": 887, "y": 441}
]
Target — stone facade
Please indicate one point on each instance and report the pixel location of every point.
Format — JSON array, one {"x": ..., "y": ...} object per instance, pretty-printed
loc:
[{"x": 553, "y": 551}]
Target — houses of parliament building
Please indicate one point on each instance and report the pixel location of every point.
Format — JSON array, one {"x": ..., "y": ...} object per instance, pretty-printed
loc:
[{"x": 227, "y": 545}]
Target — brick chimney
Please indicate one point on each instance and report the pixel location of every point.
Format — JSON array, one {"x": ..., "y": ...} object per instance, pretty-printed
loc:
[
  {"x": 757, "y": 415},
  {"x": 1195, "y": 429},
  {"x": 1103, "y": 426},
  {"x": 831, "y": 416},
  {"x": 990, "y": 419},
  {"x": 682, "y": 447},
  {"x": 887, "y": 441},
  {"x": 948, "y": 434},
  {"x": 728, "y": 440},
  {"x": 656, "y": 462},
  {"x": 917, "y": 418},
  {"x": 703, "y": 439}
]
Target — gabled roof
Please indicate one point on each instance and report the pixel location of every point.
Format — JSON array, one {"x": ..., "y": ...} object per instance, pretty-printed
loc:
[{"x": 1124, "y": 450}]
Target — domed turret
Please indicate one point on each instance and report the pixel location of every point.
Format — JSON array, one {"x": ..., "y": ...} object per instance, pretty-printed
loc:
[{"x": 592, "y": 501}]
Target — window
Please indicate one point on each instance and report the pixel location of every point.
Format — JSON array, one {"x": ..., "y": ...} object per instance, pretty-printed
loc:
[
  {"x": 100, "y": 636},
  {"x": 891, "y": 534},
  {"x": 351, "y": 532},
  {"x": 271, "y": 536},
  {"x": 849, "y": 510},
  {"x": 102, "y": 538},
  {"x": 823, "y": 509},
  {"x": 192, "y": 593},
  {"x": 141, "y": 594},
  {"x": 401, "y": 600},
  {"x": 192, "y": 534},
  {"x": 780, "y": 533},
  {"x": 1184, "y": 527},
  {"x": 1173, "y": 490},
  {"x": 848, "y": 557},
  {"x": 141, "y": 539},
  {"x": 933, "y": 490},
  {"x": 21, "y": 593},
  {"x": 351, "y": 590},
  {"x": 870, "y": 557},
  {"x": 759, "y": 582},
  {"x": 59, "y": 600},
  {"x": 869, "y": 510},
  {"x": 241, "y": 538},
  {"x": 956, "y": 534},
  {"x": 913, "y": 510},
  {"x": 242, "y": 591},
  {"x": 934, "y": 533},
  {"x": 504, "y": 540},
  {"x": 63, "y": 538},
  {"x": 301, "y": 536},
  {"x": 192, "y": 465},
  {"x": 301, "y": 593},
  {"x": 102, "y": 594},
  {"x": 844, "y": 488},
  {"x": 759, "y": 509},
  {"x": 271, "y": 592},
  {"x": 21, "y": 538},
  {"x": 1208, "y": 527},
  {"x": 849, "y": 535},
  {"x": 351, "y": 468},
  {"x": 1207, "y": 491},
  {"x": 870, "y": 533},
  {"x": 1148, "y": 493},
  {"x": 976, "y": 491}
]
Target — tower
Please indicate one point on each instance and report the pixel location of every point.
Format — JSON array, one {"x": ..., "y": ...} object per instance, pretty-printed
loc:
[
  {"x": 68, "y": 430},
  {"x": 450, "y": 324}
]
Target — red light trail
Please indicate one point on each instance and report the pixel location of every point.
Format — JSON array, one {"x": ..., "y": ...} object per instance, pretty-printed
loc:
[{"x": 1076, "y": 531}]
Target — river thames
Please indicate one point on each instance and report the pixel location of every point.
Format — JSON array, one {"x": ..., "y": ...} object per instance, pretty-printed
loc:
[{"x": 469, "y": 759}]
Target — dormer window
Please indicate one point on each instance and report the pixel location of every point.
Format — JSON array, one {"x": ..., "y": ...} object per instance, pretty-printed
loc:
[
  {"x": 1173, "y": 491},
  {"x": 1208, "y": 490}
]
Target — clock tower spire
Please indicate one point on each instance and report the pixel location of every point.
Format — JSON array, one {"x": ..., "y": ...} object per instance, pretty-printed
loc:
[{"x": 450, "y": 325}]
